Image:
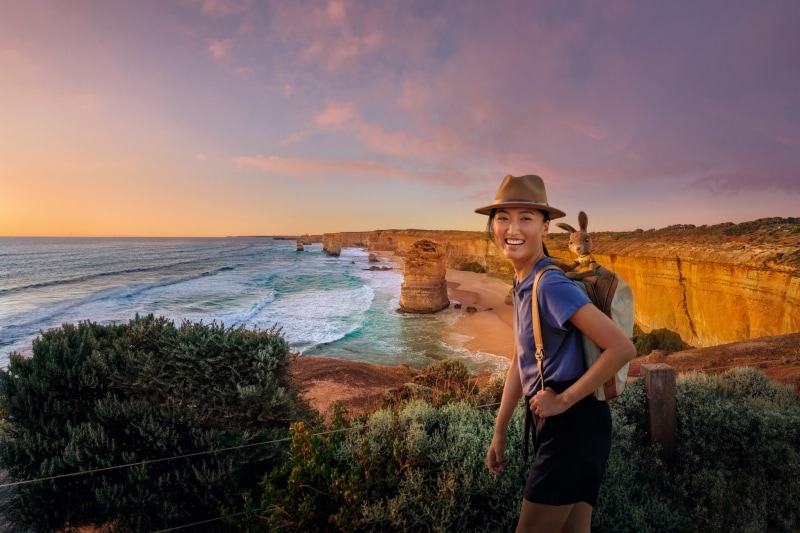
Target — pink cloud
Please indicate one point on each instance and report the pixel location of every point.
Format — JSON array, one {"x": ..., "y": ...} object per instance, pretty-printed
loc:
[
  {"x": 293, "y": 138},
  {"x": 332, "y": 36},
  {"x": 219, "y": 49},
  {"x": 309, "y": 169},
  {"x": 336, "y": 116},
  {"x": 225, "y": 7}
]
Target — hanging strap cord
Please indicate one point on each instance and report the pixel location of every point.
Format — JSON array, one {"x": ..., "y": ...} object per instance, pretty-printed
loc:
[{"x": 537, "y": 326}]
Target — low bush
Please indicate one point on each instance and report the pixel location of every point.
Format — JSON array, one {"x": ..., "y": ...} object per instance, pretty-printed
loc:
[
  {"x": 93, "y": 398},
  {"x": 473, "y": 267},
  {"x": 438, "y": 384},
  {"x": 419, "y": 468},
  {"x": 738, "y": 452},
  {"x": 658, "y": 339}
]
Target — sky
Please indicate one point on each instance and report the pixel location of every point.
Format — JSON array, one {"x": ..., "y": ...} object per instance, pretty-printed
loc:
[{"x": 259, "y": 117}]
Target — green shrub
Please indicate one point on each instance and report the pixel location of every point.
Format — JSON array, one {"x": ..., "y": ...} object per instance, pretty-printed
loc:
[
  {"x": 95, "y": 397},
  {"x": 438, "y": 384},
  {"x": 738, "y": 452},
  {"x": 658, "y": 339},
  {"x": 473, "y": 267},
  {"x": 492, "y": 392},
  {"x": 419, "y": 468}
]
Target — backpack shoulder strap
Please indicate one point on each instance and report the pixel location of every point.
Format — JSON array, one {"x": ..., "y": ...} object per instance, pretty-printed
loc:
[{"x": 537, "y": 326}]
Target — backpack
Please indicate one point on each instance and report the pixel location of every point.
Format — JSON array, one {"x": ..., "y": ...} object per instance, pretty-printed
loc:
[{"x": 614, "y": 297}]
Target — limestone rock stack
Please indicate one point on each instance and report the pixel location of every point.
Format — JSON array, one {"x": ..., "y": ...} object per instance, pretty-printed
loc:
[
  {"x": 334, "y": 245},
  {"x": 424, "y": 288}
]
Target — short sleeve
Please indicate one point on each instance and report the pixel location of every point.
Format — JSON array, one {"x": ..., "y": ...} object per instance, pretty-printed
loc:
[{"x": 559, "y": 297}]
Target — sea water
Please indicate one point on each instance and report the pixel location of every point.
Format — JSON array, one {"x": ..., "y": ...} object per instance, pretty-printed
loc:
[{"x": 324, "y": 306}]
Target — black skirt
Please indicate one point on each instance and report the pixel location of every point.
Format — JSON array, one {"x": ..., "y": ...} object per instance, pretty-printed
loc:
[{"x": 571, "y": 452}]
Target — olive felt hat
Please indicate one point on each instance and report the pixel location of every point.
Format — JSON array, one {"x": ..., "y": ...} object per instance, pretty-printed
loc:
[{"x": 521, "y": 191}]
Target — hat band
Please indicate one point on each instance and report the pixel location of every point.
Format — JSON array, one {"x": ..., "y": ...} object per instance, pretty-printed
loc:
[{"x": 516, "y": 201}]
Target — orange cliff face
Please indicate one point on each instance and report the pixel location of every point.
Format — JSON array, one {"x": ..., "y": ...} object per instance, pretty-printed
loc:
[
  {"x": 708, "y": 296},
  {"x": 712, "y": 285}
]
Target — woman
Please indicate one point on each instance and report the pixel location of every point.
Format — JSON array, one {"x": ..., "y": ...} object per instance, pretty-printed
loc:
[{"x": 572, "y": 429}]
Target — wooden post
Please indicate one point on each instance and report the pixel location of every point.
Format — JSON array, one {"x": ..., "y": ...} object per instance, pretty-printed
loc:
[{"x": 660, "y": 388}]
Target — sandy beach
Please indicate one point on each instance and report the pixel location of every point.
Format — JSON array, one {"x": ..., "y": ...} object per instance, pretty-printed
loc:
[{"x": 491, "y": 326}]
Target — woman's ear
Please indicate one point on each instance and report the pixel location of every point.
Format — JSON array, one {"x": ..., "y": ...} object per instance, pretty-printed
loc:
[{"x": 546, "y": 227}]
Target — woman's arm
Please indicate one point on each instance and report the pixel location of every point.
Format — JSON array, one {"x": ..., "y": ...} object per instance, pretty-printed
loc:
[
  {"x": 617, "y": 350},
  {"x": 512, "y": 391}
]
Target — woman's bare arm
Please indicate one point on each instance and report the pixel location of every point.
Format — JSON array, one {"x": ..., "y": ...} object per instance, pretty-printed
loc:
[
  {"x": 617, "y": 350},
  {"x": 512, "y": 391}
]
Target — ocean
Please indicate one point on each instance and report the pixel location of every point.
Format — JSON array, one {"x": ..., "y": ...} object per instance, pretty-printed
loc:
[{"x": 325, "y": 306}]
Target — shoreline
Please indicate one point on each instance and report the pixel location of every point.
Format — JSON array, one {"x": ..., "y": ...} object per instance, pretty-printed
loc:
[
  {"x": 491, "y": 328},
  {"x": 360, "y": 386}
]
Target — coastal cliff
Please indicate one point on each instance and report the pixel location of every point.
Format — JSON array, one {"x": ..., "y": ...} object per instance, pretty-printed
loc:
[
  {"x": 459, "y": 248},
  {"x": 710, "y": 284},
  {"x": 708, "y": 295}
]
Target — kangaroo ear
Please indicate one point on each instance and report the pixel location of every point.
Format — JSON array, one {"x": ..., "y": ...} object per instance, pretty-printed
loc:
[
  {"x": 565, "y": 227},
  {"x": 583, "y": 221}
]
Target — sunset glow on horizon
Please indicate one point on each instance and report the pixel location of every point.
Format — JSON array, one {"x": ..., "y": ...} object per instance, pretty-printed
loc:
[{"x": 240, "y": 117}]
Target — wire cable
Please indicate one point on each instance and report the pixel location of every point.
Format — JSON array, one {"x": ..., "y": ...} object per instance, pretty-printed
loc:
[
  {"x": 163, "y": 459},
  {"x": 187, "y": 455}
]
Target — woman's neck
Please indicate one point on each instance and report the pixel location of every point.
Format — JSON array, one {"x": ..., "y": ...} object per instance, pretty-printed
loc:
[{"x": 523, "y": 270}]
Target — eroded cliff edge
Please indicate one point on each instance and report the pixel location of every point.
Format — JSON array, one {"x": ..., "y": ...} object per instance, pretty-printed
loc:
[{"x": 710, "y": 284}]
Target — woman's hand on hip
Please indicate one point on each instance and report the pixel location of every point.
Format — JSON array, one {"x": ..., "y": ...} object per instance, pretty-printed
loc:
[{"x": 547, "y": 403}]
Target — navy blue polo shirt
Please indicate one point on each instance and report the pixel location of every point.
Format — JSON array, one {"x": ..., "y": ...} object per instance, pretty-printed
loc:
[{"x": 559, "y": 299}]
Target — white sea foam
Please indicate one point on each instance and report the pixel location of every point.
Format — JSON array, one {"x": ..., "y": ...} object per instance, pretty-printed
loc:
[
  {"x": 313, "y": 318},
  {"x": 248, "y": 316}
]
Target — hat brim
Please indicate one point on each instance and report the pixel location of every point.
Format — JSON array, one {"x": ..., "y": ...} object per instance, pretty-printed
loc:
[{"x": 554, "y": 213}]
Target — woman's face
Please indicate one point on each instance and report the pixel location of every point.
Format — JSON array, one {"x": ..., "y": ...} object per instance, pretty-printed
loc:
[{"x": 518, "y": 232}]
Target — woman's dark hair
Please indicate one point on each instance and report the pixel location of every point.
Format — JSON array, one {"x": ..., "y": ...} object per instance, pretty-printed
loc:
[{"x": 490, "y": 224}]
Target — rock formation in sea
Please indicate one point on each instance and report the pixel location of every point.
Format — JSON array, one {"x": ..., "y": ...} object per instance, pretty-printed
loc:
[
  {"x": 710, "y": 284},
  {"x": 424, "y": 287},
  {"x": 334, "y": 245}
]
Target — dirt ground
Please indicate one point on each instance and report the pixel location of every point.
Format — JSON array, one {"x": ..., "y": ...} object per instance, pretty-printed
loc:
[
  {"x": 360, "y": 386},
  {"x": 356, "y": 385},
  {"x": 778, "y": 357}
]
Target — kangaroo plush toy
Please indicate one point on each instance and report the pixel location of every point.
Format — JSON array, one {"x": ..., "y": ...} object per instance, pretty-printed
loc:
[{"x": 580, "y": 243}]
